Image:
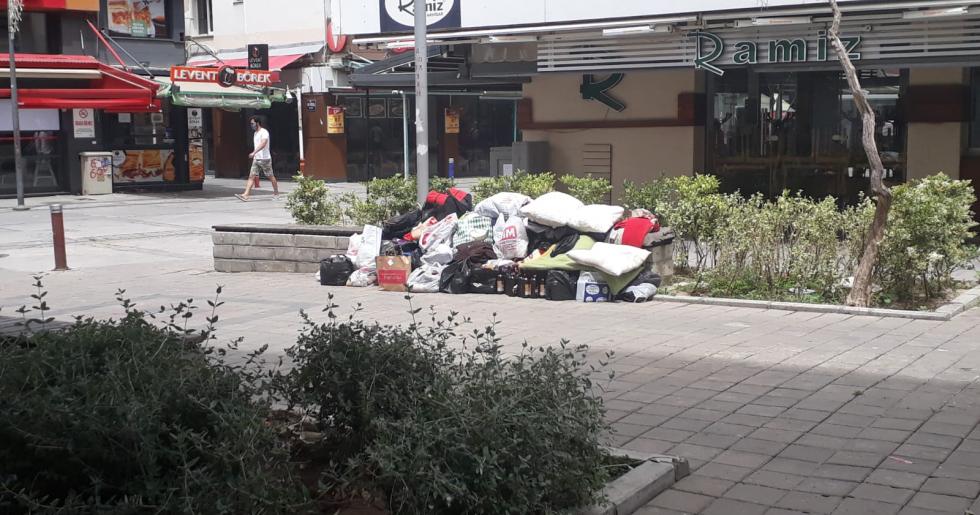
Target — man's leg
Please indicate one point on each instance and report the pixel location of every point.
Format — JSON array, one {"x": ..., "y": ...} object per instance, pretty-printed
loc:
[
  {"x": 275, "y": 184},
  {"x": 253, "y": 172}
]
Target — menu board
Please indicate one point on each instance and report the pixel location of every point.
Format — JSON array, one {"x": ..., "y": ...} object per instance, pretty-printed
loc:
[
  {"x": 151, "y": 165},
  {"x": 138, "y": 18}
]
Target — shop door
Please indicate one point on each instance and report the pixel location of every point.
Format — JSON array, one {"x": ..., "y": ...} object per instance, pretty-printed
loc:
[{"x": 773, "y": 132}]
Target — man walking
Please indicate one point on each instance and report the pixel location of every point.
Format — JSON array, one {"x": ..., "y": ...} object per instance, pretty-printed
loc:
[{"x": 261, "y": 161}]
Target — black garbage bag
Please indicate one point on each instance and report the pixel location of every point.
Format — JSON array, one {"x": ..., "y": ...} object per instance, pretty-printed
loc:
[
  {"x": 335, "y": 270},
  {"x": 399, "y": 226},
  {"x": 455, "y": 278},
  {"x": 561, "y": 285},
  {"x": 441, "y": 205},
  {"x": 483, "y": 281}
]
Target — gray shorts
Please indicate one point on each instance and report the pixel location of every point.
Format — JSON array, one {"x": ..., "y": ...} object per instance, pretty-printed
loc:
[{"x": 263, "y": 166}]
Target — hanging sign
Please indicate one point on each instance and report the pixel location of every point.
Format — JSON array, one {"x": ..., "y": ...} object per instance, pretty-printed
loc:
[
  {"x": 599, "y": 90},
  {"x": 452, "y": 120},
  {"x": 83, "y": 121},
  {"x": 335, "y": 120},
  {"x": 258, "y": 57},
  {"x": 710, "y": 47},
  {"x": 399, "y": 15},
  {"x": 225, "y": 76}
]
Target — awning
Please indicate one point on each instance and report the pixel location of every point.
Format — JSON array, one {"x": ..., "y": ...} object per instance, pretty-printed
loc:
[
  {"x": 276, "y": 62},
  {"x": 96, "y": 85},
  {"x": 279, "y": 58},
  {"x": 202, "y": 94}
]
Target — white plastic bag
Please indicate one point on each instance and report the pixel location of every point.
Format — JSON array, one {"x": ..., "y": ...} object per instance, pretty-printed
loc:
[
  {"x": 364, "y": 277},
  {"x": 510, "y": 238},
  {"x": 365, "y": 247},
  {"x": 441, "y": 254},
  {"x": 553, "y": 209},
  {"x": 596, "y": 218},
  {"x": 441, "y": 232},
  {"x": 502, "y": 204},
  {"x": 425, "y": 279}
]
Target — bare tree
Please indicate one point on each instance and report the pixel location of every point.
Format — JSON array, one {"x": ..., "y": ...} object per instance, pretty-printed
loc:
[{"x": 860, "y": 294}]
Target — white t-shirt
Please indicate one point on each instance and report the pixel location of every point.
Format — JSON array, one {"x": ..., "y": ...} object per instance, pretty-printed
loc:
[{"x": 260, "y": 136}]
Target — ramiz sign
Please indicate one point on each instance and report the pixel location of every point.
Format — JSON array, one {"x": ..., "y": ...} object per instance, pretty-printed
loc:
[
  {"x": 710, "y": 47},
  {"x": 225, "y": 76}
]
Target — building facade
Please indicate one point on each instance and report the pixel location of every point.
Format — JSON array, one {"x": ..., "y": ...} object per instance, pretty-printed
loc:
[{"x": 750, "y": 91}]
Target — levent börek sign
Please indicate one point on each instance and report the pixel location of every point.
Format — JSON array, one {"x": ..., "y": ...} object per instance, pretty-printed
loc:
[{"x": 225, "y": 76}]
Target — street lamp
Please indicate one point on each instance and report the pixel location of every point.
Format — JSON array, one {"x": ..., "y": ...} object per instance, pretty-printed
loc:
[{"x": 14, "y": 9}]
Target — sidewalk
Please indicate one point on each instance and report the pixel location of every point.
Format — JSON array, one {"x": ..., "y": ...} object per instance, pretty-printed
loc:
[{"x": 778, "y": 412}]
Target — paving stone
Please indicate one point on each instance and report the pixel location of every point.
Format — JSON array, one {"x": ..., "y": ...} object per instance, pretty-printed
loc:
[
  {"x": 655, "y": 409},
  {"x": 655, "y": 510},
  {"x": 896, "y": 423},
  {"x": 940, "y": 428},
  {"x": 825, "y": 486},
  {"x": 883, "y": 493},
  {"x": 955, "y": 471},
  {"x": 686, "y": 424},
  {"x": 781, "y": 511},
  {"x": 755, "y": 494},
  {"x": 866, "y": 507},
  {"x": 842, "y": 472},
  {"x": 925, "y": 467},
  {"x": 704, "y": 414},
  {"x": 624, "y": 429},
  {"x": 788, "y": 424},
  {"x": 691, "y": 451},
  {"x": 888, "y": 435},
  {"x": 922, "y": 452},
  {"x": 954, "y": 487},
  {"x": 722, "y": 471},
  {"x": 810, "y": 503},
  {"x": 759, "y": 410},
  {"x": 823, "y": 441},
  {"x": 647, "y": 445},
  {"x": 684, "y": 502},
  {"x": 666, "y": 434},
  {"x": 896, "y": 478},
  {"x": 775, "y": 435},
  {"x": 940, "y": 502},
  {"x": 788, "y": 466},
  {"x": 959, "y": 457},
  {"x": 912, "y": 510},
  {"x": 704, "y": 485},
  {"x": 713, "y": 440},
  {"x": 644, "y": 419},
  {"x": 742, "y": 459},
  {"x": 837, "y": 430},
  {"x": 806, "y": 414},
  {"x": 806, "y": 453},
  {"x": 875, "y": 446},
  {"x": 730, "y": 506},
  {"x": 856, "y": 458},
  {"x": 757, "y": 446}
]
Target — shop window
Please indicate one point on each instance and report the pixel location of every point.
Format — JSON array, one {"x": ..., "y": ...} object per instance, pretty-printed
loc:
[
  {"x": 33, "y": 36},
  {"x": 142, "y": 145},
  {"x": 205, "y": 18},
  {"x": 139, "y": 18},
  {"x": 40, "y": 147},
  {"x": 772, "y": 132},
  {"x": 975, "y": 115}
]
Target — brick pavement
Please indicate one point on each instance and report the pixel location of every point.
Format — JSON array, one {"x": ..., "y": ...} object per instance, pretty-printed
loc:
[{"x": 778, "y": 412}]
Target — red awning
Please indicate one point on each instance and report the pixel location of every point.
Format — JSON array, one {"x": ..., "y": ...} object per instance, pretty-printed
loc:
[
  {"x": 276, "y": 62},
  {"x": 114, "y": 90}
]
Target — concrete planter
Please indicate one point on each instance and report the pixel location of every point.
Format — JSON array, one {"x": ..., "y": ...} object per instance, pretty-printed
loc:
[
  {"x": 277, "y": 248},
  {"x": 631, "y": 491}
]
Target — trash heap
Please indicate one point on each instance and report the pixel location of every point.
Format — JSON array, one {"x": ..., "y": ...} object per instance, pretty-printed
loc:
[{"x": 553, "y": 247}]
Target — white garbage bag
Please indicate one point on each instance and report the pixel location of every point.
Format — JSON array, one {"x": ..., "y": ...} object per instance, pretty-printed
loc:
[
  {"x": 441, "y": 254},
  {"x": 441, "y": 232},
  {"x": 510, "y": 238},
  {"x": 425, "y": 279}
]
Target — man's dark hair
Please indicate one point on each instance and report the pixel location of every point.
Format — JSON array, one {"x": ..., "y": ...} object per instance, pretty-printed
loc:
[{"x": 258, "y": 120}]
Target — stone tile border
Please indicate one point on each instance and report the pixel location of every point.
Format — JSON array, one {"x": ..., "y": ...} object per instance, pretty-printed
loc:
[
  {"x": 276, "y": 248},
  {"x": 633, "y": 490},
  {"x": 967, "y": 300}
]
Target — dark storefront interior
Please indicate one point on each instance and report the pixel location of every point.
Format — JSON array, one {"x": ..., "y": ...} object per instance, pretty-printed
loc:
[{"x": 800, "y": 131}]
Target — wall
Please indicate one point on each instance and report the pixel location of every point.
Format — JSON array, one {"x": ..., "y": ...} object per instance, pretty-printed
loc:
[
  {"x": 156, "y": 52},
  {"x": 638, "y": 153},
  {"x": 236, "y": 24},
  {"x": 935, "y": 147},
  {"x": 364, "y": 17}
]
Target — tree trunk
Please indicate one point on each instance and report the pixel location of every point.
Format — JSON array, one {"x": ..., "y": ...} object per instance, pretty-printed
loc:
[{"x": 861, "y": 289}]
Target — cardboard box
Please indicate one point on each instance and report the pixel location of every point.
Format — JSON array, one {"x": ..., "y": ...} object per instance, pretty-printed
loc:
[
  {"x": 592, "y": 289},
  {"x": 393, "y": 272}
]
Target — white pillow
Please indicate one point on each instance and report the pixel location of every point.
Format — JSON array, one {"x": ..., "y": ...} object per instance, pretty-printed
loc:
[
  {"x": 553, "y": 209},
  {"x": 597, "y": 218},
  {"x": 614, "y": 260}
]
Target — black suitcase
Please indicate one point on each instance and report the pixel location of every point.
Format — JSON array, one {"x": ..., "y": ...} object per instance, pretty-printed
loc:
[{"x": 561, "y": 285}]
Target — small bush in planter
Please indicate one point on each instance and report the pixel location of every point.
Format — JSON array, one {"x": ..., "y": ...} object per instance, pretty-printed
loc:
[
  {"x": 531, "y": 184},
  {"x": 310, "y": 203},
  {"x": 126, "y": 417},
  {"x": 590, "y": 190},
  {"x": 385, "y": 198}
]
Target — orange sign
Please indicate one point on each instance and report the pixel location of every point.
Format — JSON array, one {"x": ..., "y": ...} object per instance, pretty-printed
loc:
[
  {"x": 222, "y": 76},
  {"x": 335, "y": 120},
  {"x": 452, "y": 120}
]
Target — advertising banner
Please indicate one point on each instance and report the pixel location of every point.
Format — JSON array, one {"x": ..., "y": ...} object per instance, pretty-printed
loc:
[
  {"x": 399, "y": 15},
  {"x": 150, "y": 165}
]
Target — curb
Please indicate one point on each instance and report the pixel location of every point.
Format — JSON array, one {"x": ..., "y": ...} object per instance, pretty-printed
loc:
[
  {"x": 633, "y": 490},
  {"x": 967, "y": 300}
]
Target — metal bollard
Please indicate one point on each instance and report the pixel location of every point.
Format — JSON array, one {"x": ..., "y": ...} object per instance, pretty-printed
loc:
[{"x": 58, "y": 229}]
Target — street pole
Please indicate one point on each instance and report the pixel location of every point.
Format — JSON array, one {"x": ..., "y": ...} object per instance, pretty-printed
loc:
[
  {"x": 421, "y": 102},
  {"x": 15, "y": 108}
]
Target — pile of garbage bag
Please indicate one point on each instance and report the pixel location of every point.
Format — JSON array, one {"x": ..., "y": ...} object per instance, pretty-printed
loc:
[{"x": 553, "y": 247}]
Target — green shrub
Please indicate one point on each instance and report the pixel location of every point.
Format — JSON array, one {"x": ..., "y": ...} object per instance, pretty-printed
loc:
[
  {"x": 531, "y": 184},
  {"x": 441, "y": 184},
  {"x": 698, "y": 213},
  {"x": 310, "y": 203},
  {"x": 126, "y": 417},
  {"x": 590, "y": 190},
  {"x": 653, "y": 196},
  {"x": 410, "y": 413},
  {"x": 926, "y": 237},
  {"x": 385, "y": 198}
]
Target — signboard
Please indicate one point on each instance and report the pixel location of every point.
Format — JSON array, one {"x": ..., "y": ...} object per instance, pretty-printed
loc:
[
  {"x": 399, "y": 15},
  {"x": 335, "y": 120},
  {"x": 138, "y": 18},
  {"x": 195, "y": 123},
  {"x": 150, "y": 165},
  {"x": 225, "y": 76},
  {"x": 709, "y": 48},
  {"x": 311, "y": 105},
  {"x": 83, "y": 121},
  {"x": 452, "y": 120},
  {"x": 258, "y": 57}
]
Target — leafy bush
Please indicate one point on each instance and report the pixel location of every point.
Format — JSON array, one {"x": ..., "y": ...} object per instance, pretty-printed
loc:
[
  {"x": 653, "y": 196},
  {"x": 590, "y": 190},
  {"x": 127, "y": 417},
  {"x": 441, "y": 184},
  {"x": 311, "y": 203},
  {"x": 495, "y": 434},
  {"x": 698, "y": 213},
  {"x": 531, "y": 184},
  {"x": 926, "y": 237}
]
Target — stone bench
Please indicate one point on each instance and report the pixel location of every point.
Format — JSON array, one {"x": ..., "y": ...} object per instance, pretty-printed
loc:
[{"x": 277, "y": 248}]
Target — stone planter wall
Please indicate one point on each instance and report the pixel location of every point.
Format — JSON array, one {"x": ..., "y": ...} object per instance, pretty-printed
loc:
[{"x": 277, "y": 248}]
